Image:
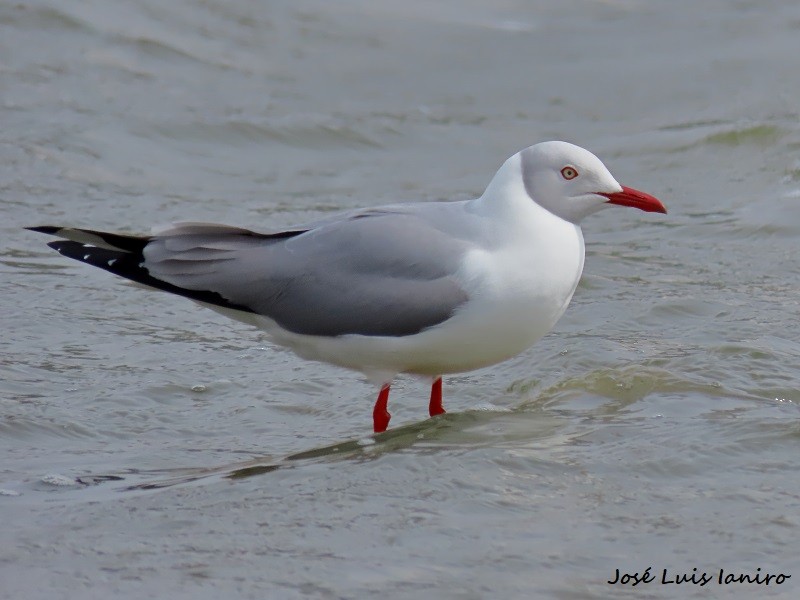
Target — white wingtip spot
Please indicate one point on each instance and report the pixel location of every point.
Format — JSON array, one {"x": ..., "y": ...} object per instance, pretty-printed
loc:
[
  {"x": 112, "y": 261},
  {"x": 86, "y": 257}
]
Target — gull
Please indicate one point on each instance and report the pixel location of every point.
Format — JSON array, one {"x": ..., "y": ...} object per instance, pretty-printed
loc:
[{"x": 426, "y": 288}]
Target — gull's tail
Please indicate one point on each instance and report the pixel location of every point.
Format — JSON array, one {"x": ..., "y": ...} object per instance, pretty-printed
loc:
[{"x": 122, "y": 255}]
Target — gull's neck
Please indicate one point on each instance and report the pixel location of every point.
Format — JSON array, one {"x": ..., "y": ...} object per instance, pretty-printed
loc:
[
  {"x": 505, "y": 190},
  {"x": 506, "y": 200}
]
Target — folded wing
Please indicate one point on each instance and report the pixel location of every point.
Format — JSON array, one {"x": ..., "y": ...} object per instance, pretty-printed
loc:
[{"x": 372, "y": 273}]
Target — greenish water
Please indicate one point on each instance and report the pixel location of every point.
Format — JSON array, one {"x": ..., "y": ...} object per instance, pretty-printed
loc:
[{"x": 154, "y": 449}]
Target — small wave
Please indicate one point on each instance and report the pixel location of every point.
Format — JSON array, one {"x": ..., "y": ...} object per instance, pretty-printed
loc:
[
  {"x": 43, "y": 17},
  {"x": 58, "y": 480},
  {"x": 760, "y": 135},
  {"x": 301, "y": 131},
  {"x": 28, "y": 428},
  {"x": 689, "y": 125},
  {"x": 629, "y": 384},
  {"x": 165, "y": 50}
]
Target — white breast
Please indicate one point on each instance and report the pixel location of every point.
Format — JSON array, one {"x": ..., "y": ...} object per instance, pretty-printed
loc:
[{"x": 517, "y": 293}]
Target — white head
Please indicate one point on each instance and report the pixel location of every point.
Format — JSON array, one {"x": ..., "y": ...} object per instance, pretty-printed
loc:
[{"x": 572, "y": 183}]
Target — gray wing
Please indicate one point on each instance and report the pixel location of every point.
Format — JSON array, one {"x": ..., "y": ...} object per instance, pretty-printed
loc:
[{"x": 371, "y": 273}]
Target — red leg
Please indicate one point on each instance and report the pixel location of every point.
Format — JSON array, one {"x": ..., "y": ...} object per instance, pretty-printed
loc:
[
  {"x": 435, "y": 407},
  {"x": 380, "y": 414}
]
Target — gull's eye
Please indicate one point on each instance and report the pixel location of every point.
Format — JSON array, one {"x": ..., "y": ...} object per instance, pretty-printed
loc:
[{"x": 569, "y": 173}]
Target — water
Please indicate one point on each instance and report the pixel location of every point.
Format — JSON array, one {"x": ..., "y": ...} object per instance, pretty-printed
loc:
[{"x": 152, "y": 448}]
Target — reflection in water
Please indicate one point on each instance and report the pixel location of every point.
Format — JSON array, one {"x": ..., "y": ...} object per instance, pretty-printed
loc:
[{"x": 370, "y": 448}]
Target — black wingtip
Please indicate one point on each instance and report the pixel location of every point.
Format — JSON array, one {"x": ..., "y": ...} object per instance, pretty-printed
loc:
[
  {"x": 57, "y": 245},
  {"x": 130, "y": 266},
  {"x": 48, "y": 229}
]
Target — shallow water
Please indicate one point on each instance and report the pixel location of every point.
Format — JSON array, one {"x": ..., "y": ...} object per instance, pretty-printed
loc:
[{"x": 153, "y": 448}]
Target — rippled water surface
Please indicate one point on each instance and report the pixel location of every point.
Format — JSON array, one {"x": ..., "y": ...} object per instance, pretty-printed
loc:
[{"x": 151, "y": 448}]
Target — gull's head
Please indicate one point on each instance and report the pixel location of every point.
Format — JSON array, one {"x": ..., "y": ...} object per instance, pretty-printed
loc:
[{"x": 572, "y": 183}]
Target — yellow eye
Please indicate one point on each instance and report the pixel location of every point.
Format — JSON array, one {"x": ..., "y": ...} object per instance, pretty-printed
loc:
[{"x": 569, "y": 173}]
